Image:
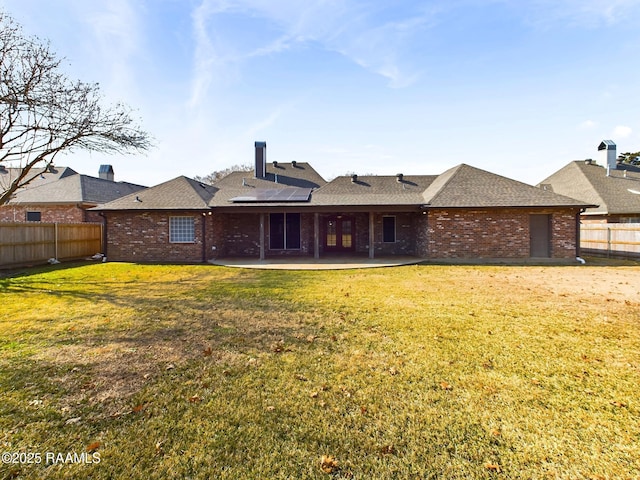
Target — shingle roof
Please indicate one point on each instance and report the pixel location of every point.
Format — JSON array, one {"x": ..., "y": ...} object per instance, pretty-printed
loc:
[
  {"x": 466, "y": 186},
  {"x": 236, "y": 184},
  {"x": 181, "y": 193},
  {"x": 40, "y": 175},
  {"x": 373, "y": 190},
  {"x": 74, "y": 188},
  {"x": 461, "y": 186},
  {"x": 590, "y": 183}
]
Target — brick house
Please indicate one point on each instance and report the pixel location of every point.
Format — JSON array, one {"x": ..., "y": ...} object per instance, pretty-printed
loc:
[
  {"x": 288, "y": 209},
  {"x": 612, "y": 186},
  {"x": 61, "y": 195}
]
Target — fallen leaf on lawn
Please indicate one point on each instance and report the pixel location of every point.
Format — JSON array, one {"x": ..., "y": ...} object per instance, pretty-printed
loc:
[
  {"x": 302, "y": 378},
  {"x": 535, "y": 381},
  {"x": 618, "y": 404},
  {"x": 388, "y": 450},
  {"x": 207, "y": 352},
  {"x": 363, "y": 410},
  {"x": 446, "y": 386},
  {"x": 328, "y": 464},
  {"x": 314, "y": 394},
  {"x": 138, "y": 408},
  {"x": 494, "y": 467},
  {"x": 393, "y": 371},
  {"x": 270, "y": 408},
  {"x": 195, "y": 399},
  {"x": 72, "y": 421},
  {"x": 92, "y": 447},
  {"x": 311, "y": 338},
  {"x": 495, "y": 432},
  {"x": 171, "y": 366},
  {"x": 159, "y": 448}
]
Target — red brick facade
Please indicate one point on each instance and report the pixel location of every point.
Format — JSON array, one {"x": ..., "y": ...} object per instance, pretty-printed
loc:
[
  {"x": 144, "y": 237},
  {"x": 48, "y": 213},
  {"x": 452, "y": 233},
  {"x": 493, "y": 233}
]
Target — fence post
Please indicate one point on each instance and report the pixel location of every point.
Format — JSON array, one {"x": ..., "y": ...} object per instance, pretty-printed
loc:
[
  {"x": 55, "y": 227},
  {"x": 608, "y": 241}
]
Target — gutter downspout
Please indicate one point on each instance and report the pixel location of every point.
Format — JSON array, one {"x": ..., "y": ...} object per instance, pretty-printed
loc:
[
  {"x": 204, "y": 237},
  {"x": 104, "y": 236},
  {"x": 578, "y": 223}
]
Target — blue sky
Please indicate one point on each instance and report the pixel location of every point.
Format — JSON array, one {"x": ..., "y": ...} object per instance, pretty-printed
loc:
[{"x": 516, "y": 87}]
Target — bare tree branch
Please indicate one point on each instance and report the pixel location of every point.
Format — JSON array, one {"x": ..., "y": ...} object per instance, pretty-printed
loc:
[{"x": 43, "y": 113}]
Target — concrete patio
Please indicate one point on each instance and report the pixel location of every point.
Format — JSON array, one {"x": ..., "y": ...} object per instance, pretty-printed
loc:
[{"x": 327, "y": 263}]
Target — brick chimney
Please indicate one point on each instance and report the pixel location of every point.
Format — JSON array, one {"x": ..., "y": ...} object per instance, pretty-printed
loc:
[
  {"x": 106, "y": 172},
  {"x": 261, "y": 159}
]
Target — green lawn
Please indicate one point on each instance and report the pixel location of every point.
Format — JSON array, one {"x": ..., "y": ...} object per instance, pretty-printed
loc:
[{"x": 410, "y": 372}]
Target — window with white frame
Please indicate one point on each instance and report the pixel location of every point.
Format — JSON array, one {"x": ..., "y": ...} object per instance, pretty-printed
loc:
[{"x": 182, "y": 230}]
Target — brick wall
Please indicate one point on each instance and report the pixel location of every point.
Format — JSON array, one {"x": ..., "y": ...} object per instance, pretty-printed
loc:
[
  {"x": 454, "y": 233},
  {"x": 144, "y": 237},
  {"x": 493, "y": 233},
  {"x": 405, "y": 243},
  {"x": 48, "y": 213}
]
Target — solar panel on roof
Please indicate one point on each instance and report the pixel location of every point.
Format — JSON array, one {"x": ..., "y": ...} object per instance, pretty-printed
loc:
[{"x": 272, "y": 195}]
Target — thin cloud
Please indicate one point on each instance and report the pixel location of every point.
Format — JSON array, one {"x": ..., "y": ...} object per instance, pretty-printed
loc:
[
  {"x": 359, "y": 33},
  {"x": 622, "y": 131},
  {"x": 115, "y": 26},
  {"x": 588, "y": 125},
  {"x": 577, "y": 13}
]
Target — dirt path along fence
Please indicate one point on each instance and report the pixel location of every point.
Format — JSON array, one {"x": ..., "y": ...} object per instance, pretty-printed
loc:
[
  {"x": 32, "y": 243},
  {"x": 611, "y": 239}
]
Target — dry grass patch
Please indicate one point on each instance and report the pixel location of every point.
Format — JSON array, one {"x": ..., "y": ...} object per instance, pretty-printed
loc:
[{"x": 411, "y": 372}]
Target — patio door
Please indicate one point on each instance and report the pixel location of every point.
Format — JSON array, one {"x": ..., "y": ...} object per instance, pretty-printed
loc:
[{"x": 339, "y": 234}]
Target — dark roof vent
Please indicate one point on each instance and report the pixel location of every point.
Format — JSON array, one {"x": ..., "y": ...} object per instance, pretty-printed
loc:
[
  {"x": 400, "y": 177},
  {"x": 275, "y": 164},
  {"x": 588, "y": 161},
  {"x": 354, "y": 178},
  {"x": 294, "y": 164},
  {"x": 3, "y": 169}
]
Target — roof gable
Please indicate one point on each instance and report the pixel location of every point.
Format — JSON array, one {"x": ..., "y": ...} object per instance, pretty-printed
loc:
[
  {"x": 180, "y": 193},
  {"x": 466, "y": 186},
  {"x": 73, "y": 188}
]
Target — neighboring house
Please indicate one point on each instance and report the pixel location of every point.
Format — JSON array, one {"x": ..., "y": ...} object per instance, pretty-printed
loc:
[
  {"x": 288, "y": 209},
  {"x": 60, "y": 194},
  {"x": 611, "y": 185}
]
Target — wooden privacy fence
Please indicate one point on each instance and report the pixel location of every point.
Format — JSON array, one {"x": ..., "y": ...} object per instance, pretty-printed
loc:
[
  {"x": 26, "y": 243},
  {"x": 611, "y": 239}
]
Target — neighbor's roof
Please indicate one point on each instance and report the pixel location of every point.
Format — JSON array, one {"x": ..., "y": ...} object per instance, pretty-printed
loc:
[
  {"x": 589, "y": 182},
  {"x": 39, "y": 176},
  {"x": 74, "y": 188},
  {"x": 181, "y": 193}
]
